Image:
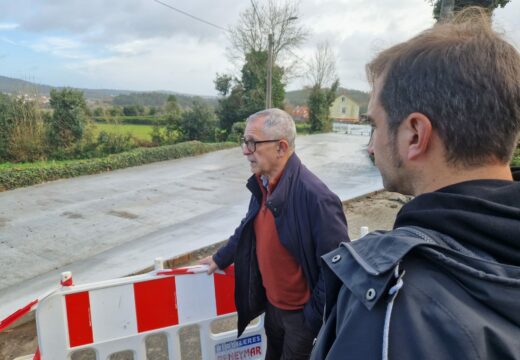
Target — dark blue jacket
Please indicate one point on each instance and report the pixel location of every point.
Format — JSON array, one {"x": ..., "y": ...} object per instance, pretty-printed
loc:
[{"x": 310, "y": 222}]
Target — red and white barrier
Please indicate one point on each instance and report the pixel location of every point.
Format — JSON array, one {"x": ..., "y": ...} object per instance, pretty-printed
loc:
[{"x": 117, "y": 315}]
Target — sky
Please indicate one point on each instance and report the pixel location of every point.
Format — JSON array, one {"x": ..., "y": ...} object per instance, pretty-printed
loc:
[{"x": 145, "y": 46}]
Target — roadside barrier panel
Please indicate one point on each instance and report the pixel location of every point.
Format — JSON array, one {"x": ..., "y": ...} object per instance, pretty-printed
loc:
[{"x": 122, "y": 317}]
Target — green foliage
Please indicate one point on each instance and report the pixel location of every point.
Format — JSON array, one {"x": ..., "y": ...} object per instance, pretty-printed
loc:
[
  {"x": 110, "y": 143},
  {"x": 18, "y": 176},
  {"x": 220, "y": 135},
  {"x": 172, "y": 106},
  {"x": 303, "y": 128},
  {"x": 247, "y": 96},
  {"x": 98, "y": 112},
  {"x": 198, "y": 123},
  {"x": 158, "y": 100},
  {"x": 130, "y": 120},
  {"x": 516, "y": 157},
  {"x": 115, "y": 111},
  {"x": 22, "y": 132},
  {"x": 143, "y": 99},
  {"x": 231, "y": 109},
  {"x": 223, "y": 84},
  {"x": 133, "y": 110},
  {"x": 490, "y": 5},
  {"x": 237, "y": 131},
  {"x": 66, "y": 125},
  {"x": 319, "y": 102},
  {"x": 254, "y": 78}
]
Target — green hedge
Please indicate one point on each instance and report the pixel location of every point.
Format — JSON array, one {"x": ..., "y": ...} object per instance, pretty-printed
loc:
[
  {"x": 516, "y": 157},
  {"x": 303, "y": 128},
  {"x": 15, "y": 177},
  {"x": 130, "y": 120}
]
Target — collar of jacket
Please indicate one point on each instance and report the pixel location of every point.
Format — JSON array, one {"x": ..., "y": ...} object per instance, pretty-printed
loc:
[
  {"x": 279, "y": 196},
  {"x": 365, "y": 266}
]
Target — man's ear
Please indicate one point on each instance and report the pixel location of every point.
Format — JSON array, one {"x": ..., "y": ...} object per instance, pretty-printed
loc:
[
  {"x": 417, "y": 129},
  {"x": 283, "y": 147}
]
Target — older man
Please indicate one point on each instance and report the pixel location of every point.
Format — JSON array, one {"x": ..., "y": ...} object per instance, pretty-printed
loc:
[
  {"x": 292, "y": 220},
  {"x": 445, "y": 283}
]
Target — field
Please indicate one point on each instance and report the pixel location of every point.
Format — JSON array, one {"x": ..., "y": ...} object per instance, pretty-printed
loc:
[{"x": 141, "y": 132}]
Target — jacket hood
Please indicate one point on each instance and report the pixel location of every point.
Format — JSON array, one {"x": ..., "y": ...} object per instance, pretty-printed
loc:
[{"x": 482, "y": 215}]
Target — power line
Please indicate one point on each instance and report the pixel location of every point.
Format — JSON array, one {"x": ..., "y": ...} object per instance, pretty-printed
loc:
[
  {"x": 298, "y": 57},
  {"x": 191, "y": 16}
]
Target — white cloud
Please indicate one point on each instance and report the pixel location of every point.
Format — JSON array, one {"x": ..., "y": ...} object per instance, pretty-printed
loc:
[
  {"x": 8, "y": 26},
  {"x": 62, "y": 47},
  {"x": 179, "y": 64}
]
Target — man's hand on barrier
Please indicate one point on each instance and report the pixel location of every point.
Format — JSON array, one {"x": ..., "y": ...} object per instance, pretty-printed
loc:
[{"x": 212, "y": 265}]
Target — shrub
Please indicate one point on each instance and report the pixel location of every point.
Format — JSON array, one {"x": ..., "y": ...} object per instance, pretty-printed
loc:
[
  {"x": 68, "y": 120},
  {"x": 303, "y": 128},
  {"x": 110, "y": 143},
  {"x": 237, "y": 131},
  {"x": 22, "y": 132}
]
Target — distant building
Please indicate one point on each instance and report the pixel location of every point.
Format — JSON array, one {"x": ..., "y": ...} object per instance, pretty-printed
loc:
[
  {"x": 344, "y": 109},
  {"x": 300, "y": 113}
]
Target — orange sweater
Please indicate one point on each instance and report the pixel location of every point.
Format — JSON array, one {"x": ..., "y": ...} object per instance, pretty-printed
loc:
[{"x": 282, "y": 277}]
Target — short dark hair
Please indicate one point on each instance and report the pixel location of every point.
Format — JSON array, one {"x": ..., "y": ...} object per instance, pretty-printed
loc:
[{"x": 466, "y": 78}]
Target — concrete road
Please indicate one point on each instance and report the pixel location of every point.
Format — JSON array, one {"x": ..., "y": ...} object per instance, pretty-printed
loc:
[{"x": 112, "y": 224}]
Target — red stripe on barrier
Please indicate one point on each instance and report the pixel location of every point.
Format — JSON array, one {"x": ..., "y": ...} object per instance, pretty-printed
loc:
[
  {"x": 225, "y": 292},
  {"x": 11, "y": 319},
  {"x": 37, "y": 354},
  {"x": 78, "y": 319},
  {"x": 155, "y": 304}
]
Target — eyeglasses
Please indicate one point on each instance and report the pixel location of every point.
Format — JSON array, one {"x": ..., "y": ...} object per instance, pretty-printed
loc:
[{"x": 250, "y": 145}]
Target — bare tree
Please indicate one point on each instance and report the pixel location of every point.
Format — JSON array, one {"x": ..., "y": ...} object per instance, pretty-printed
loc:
[
  {"x": 322, "y": 67},
  {"x": 275, "y": 17}
]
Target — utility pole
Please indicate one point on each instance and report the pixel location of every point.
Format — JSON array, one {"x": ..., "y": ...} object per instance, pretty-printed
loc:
[
  {"x": 269, "y": 82},
  {"x": 269, "y": 85},
  {"x": 446, "y": 12}
]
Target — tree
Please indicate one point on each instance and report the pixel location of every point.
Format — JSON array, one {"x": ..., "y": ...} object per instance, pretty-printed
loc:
[
  {"x": 322, "y": 68},
  {"x": 223, "y": 83},
  {"x": 68, "y": 120},
  {"x": 247, "y": 96},
  {"x": 322, "y": 73},
  {"x": 198, "y": 123},
  {"x": 319, "y": 103},
  {"x": 133, "y": 110},
  {"x": 256, "y": 22},
  {"x": 172, "y": 105},
  {"x": 254, "y": 77},
  {"x": 98, "y": 111},
  {"x": 441, "y": 7},
  {"x": 230, "y": 109},
  {"x": 173, "y": 116}
]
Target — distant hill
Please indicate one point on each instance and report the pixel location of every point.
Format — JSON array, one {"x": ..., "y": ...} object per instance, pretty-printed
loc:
[
  {"x": 299, "y": 97},
  {"x": 119, "y": 97}
]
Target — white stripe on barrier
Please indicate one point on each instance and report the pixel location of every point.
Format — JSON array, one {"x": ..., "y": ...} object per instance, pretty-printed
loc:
[
  {"x": 110, "y": 309},
  {"x": 193, "y": 304}
]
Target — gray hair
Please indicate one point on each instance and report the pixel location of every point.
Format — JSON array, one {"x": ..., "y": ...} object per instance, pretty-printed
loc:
[{"x": 278, "y": 124}]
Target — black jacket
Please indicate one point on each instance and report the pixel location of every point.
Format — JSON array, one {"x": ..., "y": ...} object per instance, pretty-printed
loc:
[
  {"x": 444, "y": 284},
  {"x": 310, "y": 222}
]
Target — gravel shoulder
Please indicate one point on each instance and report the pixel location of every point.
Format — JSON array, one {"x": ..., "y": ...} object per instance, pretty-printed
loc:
[{"x": 376, "y": 210}]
